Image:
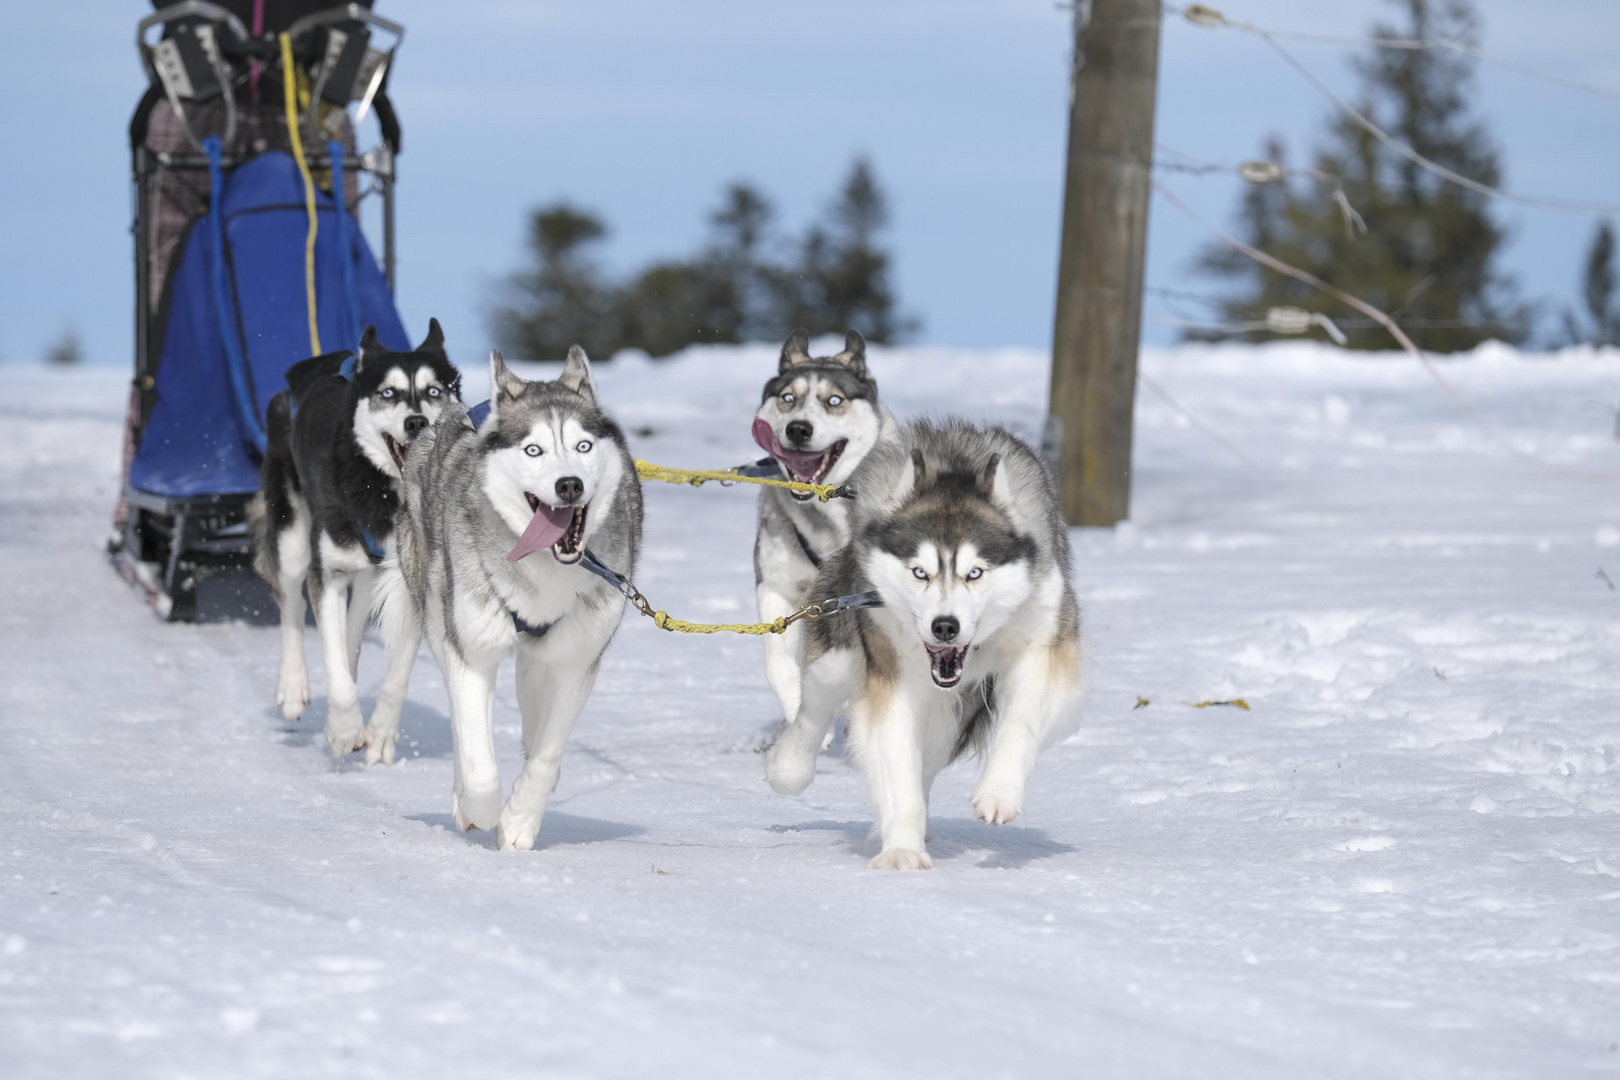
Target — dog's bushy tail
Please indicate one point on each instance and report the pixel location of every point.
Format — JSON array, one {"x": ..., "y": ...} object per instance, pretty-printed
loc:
[{"x": 277, "y": 480}]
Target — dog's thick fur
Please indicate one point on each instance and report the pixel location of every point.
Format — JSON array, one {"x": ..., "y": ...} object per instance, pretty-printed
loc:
[
  {"x": 469, "y": 496},
  {"x": 329, "y": 489},
  {"x": 977, "y": 643},
  {"x": 816, "y": 404}
]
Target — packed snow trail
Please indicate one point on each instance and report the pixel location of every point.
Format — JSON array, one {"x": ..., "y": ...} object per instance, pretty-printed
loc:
[{"x": 1404, "y": 861}]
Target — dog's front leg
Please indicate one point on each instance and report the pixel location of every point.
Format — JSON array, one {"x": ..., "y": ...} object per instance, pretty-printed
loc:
[
  {"x": 292, "y": 682},
  {"x": 1039, "y": 686},
  {"x": 383, "y": 731},
  {"x": 826, "y": 683},
  {"x": 344, "y": 728},
  {"x": 476, "y": 797},
  {"x": 359, "y": 615},
  {"x": 554, "y": 680},
  {"x": 781, "y": 651},
  {"x": 889, "y": 748}
]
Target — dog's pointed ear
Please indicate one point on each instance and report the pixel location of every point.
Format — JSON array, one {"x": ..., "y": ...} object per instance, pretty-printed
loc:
[
  {"x": 576, "y": 373},
  {"x": 988, "y": 476},
  {"x": 503, "y": 385},
  {"x": 854, "y": 354},
  {"x": 795, "y": 350},
  {"x": 369, "y": 347},
  {"x": 434, "y": 342},
  {"x": 919, "y": 470}
]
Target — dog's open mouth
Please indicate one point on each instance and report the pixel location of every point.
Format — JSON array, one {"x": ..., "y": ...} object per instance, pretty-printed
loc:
[
  {"x": 946, "y": 662},
  {"x": 560, "y": 528},
  {"x": 805, "y": 466},
  {"x": 397, "y": 450}
]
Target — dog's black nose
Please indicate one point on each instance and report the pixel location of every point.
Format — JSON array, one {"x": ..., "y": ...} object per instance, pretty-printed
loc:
[
  {"x": 415, "y": 424},
  {"x": 946, "y": 628},
  {"x": 570, "y": 489},
  {"x": 799, "y": 431}
]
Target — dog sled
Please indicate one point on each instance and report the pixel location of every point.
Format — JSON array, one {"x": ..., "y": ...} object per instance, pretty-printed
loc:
[{"x": 249, "y": 189}]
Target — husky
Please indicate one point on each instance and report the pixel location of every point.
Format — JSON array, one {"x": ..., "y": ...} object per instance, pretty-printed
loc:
[
  {"x": 338, "y": 437},
  {"x": 498, "y": 517},
  {"x": 976, "y": 644},
  {"x": 818, "y": 418}
]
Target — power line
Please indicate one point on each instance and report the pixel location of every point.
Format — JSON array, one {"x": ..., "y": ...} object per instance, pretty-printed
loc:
[
  {"x": 1200, "y": 15},
  {"x": 1387, "y": 323}
]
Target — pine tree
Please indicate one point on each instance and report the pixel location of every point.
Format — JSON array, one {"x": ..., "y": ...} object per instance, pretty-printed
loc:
[
  {"x": 562, "y": 300},
  {"x": 842, "y": 279},
  {"x": 1428, "y": 255},
  {"x": 1597, "y": 289}
]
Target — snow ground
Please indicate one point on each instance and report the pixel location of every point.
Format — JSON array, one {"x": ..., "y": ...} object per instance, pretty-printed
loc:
[{"x": 1403, "y": 862}]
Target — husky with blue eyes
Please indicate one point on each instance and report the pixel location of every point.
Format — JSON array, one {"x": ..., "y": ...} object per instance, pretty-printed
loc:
[
  {"x": 976, "y": 644},
  {"x": 500, "y": 511},
  {"x": 339, "y": 436}
]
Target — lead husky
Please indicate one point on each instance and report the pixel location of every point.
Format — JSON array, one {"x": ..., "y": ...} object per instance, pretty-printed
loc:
[
  {"x": 819, "y": 418},
  {"x": 977, "y": 642},
  {"x": 496, "y": 520},
  {"x": 328, "y": 491}
]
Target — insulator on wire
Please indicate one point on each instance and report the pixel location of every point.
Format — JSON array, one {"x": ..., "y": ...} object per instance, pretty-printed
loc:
[
  {"x": 1293, "y": 320},
  {"x": 1260, "y": 172},
  {"x": 1204, "y": 15}
]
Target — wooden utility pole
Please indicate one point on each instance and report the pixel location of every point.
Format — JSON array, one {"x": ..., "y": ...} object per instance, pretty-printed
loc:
[{"x": 1105, "y": 213}]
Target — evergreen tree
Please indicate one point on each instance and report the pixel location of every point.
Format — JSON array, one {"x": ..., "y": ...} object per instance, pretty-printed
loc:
[
  {"x": 1428, "y": 254},
  {"x": 842, "y": 279},
  {"x": 730, "y": 291},
  {"x": 562, "y": 300},
  {"x": 1597, "y": 289}
]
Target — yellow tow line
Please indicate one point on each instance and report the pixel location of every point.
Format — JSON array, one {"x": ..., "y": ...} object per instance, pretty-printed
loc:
[
  {"x": 698, "y": 477},
  {"x": 289, "y": 78}
]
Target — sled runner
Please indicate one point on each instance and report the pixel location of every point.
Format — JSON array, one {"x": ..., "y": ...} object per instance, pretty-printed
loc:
[{"x": 249, "y": 257}]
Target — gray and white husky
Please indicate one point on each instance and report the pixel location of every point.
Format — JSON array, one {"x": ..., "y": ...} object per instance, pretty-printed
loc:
[
  {"x": 818, "y": 417},
  {"x": 328, "y": 495},
  {"x": 496, "y": 520},
  {"x": 976, "y": 645}
]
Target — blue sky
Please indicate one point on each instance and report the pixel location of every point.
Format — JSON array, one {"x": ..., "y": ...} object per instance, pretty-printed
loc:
[{"x": 642, "y": 110}]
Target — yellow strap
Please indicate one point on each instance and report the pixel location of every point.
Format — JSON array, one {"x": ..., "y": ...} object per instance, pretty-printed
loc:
[
  {"x": 664, "y": 621},
  {"x": 289, "y": 79},
  {"x": 697, "y": 478}
]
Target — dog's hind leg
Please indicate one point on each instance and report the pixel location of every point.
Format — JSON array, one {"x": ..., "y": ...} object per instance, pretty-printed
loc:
[
  {"x": 292, "y": 567},
  {"x": 359, "y": 615},
  {"x": 476, "y": 797},
  {"x": 344, "y": 730},
  {"x": 1039, "y": 686},
  {"x": 828, "y": 681},
  {"x": 383, "y": 731},
  {"x": 554, "y": 680},
  {"x": 884, "y": 725}
]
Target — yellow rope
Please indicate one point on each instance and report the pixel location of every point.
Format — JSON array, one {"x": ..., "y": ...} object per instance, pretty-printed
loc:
[
  {"x": 697, "y": 478},
  {"x": 289, "y": 78}
]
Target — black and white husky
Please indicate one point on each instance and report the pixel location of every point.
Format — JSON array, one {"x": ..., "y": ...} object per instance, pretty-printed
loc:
[
  {"x": 329, "y": 490},
  {"x": 818, "y": 417},
  {"x": 501, "y": 521},
  {"x": 976, "y": 645}
]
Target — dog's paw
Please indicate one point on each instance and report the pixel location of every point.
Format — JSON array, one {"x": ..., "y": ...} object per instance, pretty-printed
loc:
[
  {"x": 380, "y": 744},
  {"x": 292, "y": 693},
  {"x": 477, "y": 808},
  {"x": 997, "y": 803},
  {"x": 788, "y": 768},
  {"x": 345, "y": 736},
  {"x": 516, "y": 832},
  {"x": 901, "y": 859}
]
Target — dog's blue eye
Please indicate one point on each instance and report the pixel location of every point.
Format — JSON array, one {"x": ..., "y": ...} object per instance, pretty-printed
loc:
[
  {"x": 388, "y": 393},
  {"x": 532, "y": 450},
  {"x": 919, "y": 573},
  {"x": 584, "y": 446},
  {"x": 433, "y": 391},
  {"x": 788, "y": 399},
  {"x": 835, "y": 400},
  {"x": 976, "y": 573}
]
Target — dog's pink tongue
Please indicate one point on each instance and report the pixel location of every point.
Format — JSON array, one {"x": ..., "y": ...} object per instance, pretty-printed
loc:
[
  {"x": 800, "y": 464},
  {"x": 545, "y": 528}
]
